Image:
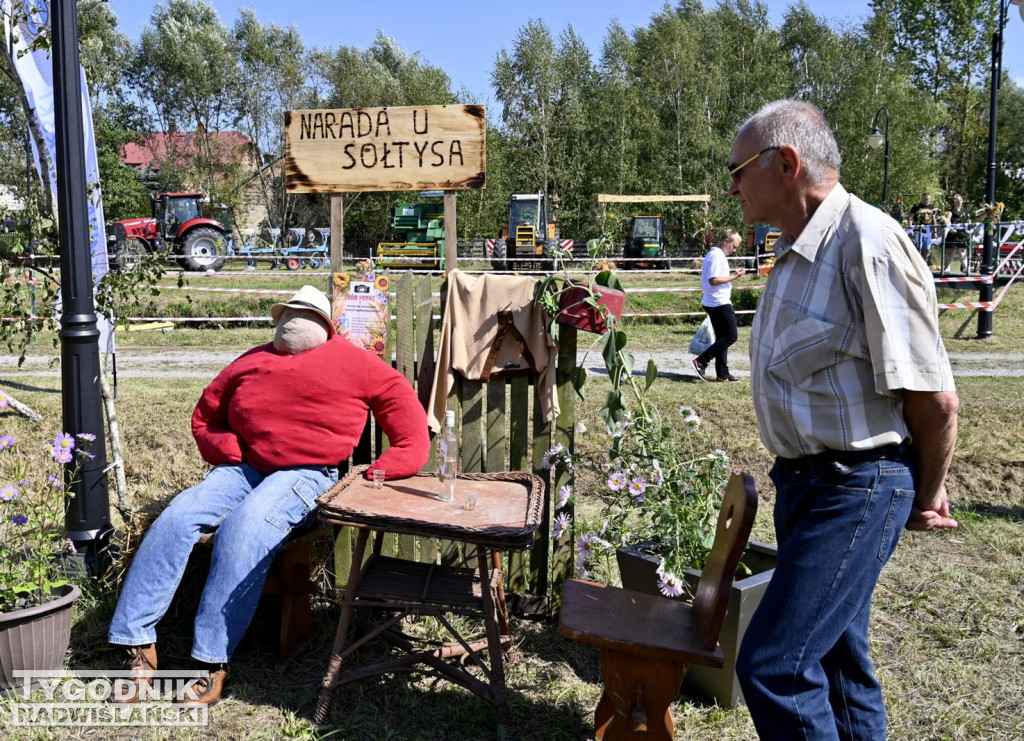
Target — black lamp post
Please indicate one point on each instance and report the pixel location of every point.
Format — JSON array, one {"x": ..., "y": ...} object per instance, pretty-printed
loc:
[
  {"x": 88, "y": 516},
  {"x": 988, "y": 246},
  {"x": 875, "y": 139}
]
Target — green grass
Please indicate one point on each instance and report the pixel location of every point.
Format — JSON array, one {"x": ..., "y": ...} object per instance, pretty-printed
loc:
[{"x": 946, "y": 629}]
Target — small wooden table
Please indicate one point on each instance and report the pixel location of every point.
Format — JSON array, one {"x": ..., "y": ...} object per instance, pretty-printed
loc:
[{"x": 506, "y": 516}]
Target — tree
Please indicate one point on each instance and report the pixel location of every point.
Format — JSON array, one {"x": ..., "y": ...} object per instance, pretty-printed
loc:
[
  {"x": 382, "y": 75},
  {"x": 944, "y": 46},
  {"x": 850, "y": 75},
  {"x": 186, "y": 69},
  {"x": 273, "y": 67}
]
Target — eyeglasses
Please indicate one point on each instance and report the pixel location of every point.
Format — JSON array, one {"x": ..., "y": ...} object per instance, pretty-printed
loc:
[{"x": 737, "y": 172}]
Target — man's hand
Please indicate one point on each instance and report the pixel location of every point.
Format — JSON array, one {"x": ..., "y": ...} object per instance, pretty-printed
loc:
[
  {"x": 931, "y": 417},
  {"x": 931, "y": 515}
]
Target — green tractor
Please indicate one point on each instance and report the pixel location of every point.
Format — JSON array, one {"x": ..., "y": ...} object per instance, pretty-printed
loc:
[
  {"x": 646, "y": 245},
  {"x": 420, "y": 227}
]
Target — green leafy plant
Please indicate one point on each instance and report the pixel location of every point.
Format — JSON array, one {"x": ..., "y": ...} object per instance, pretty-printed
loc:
[
  {"x": 662, "y": 481},
  {"x": 33, "y": 547}
]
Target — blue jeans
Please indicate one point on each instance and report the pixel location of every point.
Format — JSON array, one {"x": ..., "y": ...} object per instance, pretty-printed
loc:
[
  {"x": 804, "y": 665},
  {"x": 253, "y": 513},
  {"x": 923, "y": 241}
]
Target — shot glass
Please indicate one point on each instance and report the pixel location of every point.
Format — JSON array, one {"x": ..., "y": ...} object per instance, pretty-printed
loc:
[
  {"x": 469, "y": 500},
  {"x": 378, "y": 478}
]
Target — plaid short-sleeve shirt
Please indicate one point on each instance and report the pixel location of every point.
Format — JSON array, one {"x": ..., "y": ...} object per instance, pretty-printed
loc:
[{"x": 846, "y": 322}]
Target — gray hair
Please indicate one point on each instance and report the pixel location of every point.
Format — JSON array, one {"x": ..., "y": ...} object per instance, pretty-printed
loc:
[
  {"x": 728, "y": 235},
  {"x": 798, "y": 124}
]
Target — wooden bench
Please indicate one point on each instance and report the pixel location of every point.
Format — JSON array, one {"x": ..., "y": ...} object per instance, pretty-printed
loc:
[{"x": 647, "y": 641}]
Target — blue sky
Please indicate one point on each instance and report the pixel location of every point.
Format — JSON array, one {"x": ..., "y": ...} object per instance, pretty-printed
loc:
[{"x": 463, "y": 37}]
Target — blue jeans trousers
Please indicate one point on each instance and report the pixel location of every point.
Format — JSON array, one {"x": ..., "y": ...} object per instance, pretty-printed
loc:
[
  {"x": 804, "y": 665},
  {"x": 253, "y": 513}
]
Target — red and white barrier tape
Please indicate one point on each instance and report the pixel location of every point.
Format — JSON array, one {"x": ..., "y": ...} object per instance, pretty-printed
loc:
[
  {"x": 966, "y": 279},
  {"x": 983, "y": 305}
]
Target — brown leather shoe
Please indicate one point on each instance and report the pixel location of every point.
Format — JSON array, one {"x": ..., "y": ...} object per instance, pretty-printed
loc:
[
  {"x": 205, "y": 690},
  {"x": 142, "y": 666}
]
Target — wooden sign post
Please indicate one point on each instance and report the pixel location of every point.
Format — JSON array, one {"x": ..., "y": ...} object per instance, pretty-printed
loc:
[
  {"x": 404, "y": 148},
  {"x": 374, "y": 149}
]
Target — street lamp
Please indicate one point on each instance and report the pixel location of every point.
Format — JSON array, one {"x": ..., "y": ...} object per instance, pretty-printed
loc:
[
  {"x": 988, "y": 246},
  {"x": 875, "y": 139}
]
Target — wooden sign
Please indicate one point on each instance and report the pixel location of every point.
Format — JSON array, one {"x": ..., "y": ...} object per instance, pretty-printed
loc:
[{"x": 401, "y": 148}]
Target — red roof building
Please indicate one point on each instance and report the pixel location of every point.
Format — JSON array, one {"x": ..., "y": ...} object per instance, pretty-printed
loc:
[{"x": 157, "y": 147}]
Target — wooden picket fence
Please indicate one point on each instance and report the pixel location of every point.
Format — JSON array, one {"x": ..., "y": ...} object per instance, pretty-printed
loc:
[{"x": 501, "y": 429}]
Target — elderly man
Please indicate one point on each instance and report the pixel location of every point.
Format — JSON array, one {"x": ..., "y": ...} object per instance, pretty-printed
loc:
[
  {"x": 854, "y": 396},
  {"x": 274, "y": 424}
]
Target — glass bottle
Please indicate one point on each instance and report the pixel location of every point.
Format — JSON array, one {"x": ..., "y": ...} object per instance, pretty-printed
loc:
[{"x": 447, "y": 459}]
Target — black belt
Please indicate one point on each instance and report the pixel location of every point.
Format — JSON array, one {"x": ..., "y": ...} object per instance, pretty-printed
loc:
[{"x": 830, "y": 458}]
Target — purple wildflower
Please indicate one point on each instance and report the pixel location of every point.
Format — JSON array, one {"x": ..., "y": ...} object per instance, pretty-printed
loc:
[
  {"x": 670, "y": 585},
  {"x": 19, "y": 520},
  {"x": 3, "y": 400},
  {"x": 63, "y": 441},
  {"x": 86, "y": 436},
  {"x": 637, "y": 487},
  {"x": 585, "y": 547},
  {"x": 6, "y": 442},
  {"x": 7, "y": 493},
  {"x": 71, "y": 545},
  {"x": 659, "y": 477},
  {"x": 561, "y": 524},
  {"x": 563, "y": 496},
  {"x": 617, "y": 481},
  {"x": 551, "y": 455},
  {"x": 62, "y": 455},
  {"x": 55, "y": 481}
]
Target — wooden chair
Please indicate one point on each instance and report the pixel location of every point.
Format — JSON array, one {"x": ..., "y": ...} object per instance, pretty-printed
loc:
[{"x": 647, "y": 641}]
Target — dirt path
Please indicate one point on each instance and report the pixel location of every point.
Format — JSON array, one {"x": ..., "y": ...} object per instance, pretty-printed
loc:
[{"x": 144, "y": 363}]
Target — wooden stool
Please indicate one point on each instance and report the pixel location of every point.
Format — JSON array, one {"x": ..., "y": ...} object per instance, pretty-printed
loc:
[
  {"x": 647, "y": 641},
  {"x": 289, "y": 578}
]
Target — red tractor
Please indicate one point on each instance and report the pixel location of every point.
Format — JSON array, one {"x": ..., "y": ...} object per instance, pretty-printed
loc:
[{"x": 177, "y": 226}]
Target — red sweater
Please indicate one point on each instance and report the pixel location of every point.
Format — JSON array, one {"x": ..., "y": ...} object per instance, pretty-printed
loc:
[{"x": 275, "y": 410}]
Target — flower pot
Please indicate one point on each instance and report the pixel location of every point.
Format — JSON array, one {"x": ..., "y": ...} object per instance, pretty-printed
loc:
[
  {"x": 575, "y": 313},
  {"x": 36, "y": 638},
  {"x": 638, "y": 571}
]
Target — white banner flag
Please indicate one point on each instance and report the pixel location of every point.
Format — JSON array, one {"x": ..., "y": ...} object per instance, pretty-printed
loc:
[{"x": 35, "y": 69}]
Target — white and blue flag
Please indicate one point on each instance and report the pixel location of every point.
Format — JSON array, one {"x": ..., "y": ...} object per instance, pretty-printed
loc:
[{"x": 24, "y": 20}]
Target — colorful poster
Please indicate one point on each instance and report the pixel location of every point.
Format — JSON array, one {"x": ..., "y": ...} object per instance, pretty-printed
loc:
[{"x": 360, "y": 309}]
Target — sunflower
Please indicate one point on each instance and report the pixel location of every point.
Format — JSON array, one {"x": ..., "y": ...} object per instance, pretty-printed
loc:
[
  {"x": 381, "y": 284},
  {"x": 341, "y": 280},
  {"x": 379, "y": 345}
]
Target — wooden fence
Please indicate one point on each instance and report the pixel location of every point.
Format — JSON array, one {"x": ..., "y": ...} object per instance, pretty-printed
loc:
[{"x": 501, "y": 429}]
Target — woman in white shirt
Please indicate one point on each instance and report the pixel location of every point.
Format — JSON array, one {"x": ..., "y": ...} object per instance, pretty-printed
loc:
[{"x": 716, "y": 281}]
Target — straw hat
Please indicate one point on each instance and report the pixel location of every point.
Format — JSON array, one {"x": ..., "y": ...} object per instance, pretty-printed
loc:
[{"x": 309, "y": 299}]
